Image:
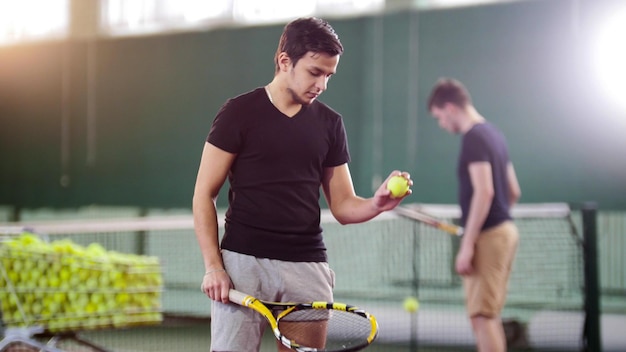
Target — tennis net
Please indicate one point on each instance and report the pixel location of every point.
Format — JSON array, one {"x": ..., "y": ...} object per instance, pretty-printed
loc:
[
  {"x": 394, "y": 258},
  {"x": 377, "y": 265}
]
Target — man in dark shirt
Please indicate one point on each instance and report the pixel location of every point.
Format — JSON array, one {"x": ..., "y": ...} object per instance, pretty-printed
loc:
[
  {"x": 277, "y": 145},
  {"x": 488, "y": 187}
]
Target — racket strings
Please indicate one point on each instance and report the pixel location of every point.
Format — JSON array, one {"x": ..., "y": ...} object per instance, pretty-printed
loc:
[{"x": 328, "y": 330}]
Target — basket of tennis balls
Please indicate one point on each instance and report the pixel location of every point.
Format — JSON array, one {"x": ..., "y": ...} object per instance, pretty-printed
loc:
[{"x": 63, "y": 286}]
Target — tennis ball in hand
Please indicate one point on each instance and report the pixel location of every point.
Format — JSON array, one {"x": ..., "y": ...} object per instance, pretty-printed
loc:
[
  {"x": 398, "y": 186},
  {"x": 411, "y": 304}
]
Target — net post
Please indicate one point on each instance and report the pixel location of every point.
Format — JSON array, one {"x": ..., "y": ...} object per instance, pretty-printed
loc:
[
  {"x": 415, "y": 289},
  {"x": 141, "y": 236},
  {"x": 592, "y": 331}
]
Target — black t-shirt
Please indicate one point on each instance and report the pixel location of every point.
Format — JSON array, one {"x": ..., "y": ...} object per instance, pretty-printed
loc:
[
  {"x": 275, "y": 180},
  {"x": 484, "y": 142}
]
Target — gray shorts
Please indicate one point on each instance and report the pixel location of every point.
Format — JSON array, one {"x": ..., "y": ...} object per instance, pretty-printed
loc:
[{"x": 235, "y": 328}]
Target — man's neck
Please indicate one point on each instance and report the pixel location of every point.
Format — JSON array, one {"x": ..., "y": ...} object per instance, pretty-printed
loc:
[
  {"x": 281, "y": 98},
  {"x": 472, "y": 118}
]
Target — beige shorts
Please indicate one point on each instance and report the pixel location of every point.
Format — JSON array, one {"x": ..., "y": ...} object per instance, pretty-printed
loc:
[{"x": 486, "y": 287}]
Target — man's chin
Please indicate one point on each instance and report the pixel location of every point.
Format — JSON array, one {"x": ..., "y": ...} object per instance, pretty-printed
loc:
[{"x": 306, "y": 101}]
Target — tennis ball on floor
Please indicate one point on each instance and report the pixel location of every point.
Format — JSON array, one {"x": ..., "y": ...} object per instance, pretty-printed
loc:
[
  {"x": 411, "y": 304},
  {"x": 398, "y": 186}
]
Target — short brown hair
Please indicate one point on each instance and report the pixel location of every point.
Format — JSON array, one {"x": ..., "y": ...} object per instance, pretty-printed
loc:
[
  {"x": 449, "y": 90},
  {"x": 308, "y": 34}
]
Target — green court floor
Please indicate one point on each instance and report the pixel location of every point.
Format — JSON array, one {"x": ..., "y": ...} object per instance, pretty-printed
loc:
[{"x": 189, "y": 337}]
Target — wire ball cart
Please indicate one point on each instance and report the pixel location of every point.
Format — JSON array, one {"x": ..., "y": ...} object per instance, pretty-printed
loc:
[{"x": 50, "y": 291}]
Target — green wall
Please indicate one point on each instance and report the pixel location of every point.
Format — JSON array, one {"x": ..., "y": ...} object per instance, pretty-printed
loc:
[{"x": 149, "y": 103}]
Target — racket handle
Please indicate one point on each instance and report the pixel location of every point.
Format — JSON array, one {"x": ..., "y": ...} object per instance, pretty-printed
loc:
[
  {"x": 452, "y": 229},
  {"x": 237, "y": 297}
]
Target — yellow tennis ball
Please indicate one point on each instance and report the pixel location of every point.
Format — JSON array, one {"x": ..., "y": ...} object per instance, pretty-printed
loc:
[
  {"x": 398, "y": 186},
  {"x": 411, "y": 304}
]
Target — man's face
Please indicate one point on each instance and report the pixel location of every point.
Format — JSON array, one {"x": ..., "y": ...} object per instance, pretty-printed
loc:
[
  {"x": 446, "y": 117},
  {"x": 309, "y": 77}
]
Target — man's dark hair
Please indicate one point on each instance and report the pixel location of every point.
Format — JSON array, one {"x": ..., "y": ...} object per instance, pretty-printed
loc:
[
  {"x": 308, "y": 34},
  {"x": 449, "y": 90}
]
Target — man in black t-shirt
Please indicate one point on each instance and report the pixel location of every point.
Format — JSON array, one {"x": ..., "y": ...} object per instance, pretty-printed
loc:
[
  {"x": 277, "y": 145},
  {"x": 488, "y": 187}
]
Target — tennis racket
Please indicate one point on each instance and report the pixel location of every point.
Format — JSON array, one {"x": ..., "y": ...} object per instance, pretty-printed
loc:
[
  {"x": 314, "y": 326},
  {"x": 429, "y": 220}
]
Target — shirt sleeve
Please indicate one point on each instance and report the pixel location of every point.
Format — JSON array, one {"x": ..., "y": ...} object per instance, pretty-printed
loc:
[
  {"x": 226, "y": 132},
  {"x": 339, "y": 153},
  {"x": 475, "y": 148}
]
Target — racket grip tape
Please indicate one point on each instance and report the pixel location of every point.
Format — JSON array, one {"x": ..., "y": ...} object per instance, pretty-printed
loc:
[
  {"x": 238, "y": 297},
  {"x": 452, "y": 229}
]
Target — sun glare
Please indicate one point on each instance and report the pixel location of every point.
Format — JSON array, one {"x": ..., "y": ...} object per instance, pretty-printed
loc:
[
  {"x": 32, "y": 19},
  {"x": 610, "y": 56}
]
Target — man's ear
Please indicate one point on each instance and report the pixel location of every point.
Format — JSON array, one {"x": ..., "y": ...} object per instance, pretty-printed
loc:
[{"x": 284, "y": 61}]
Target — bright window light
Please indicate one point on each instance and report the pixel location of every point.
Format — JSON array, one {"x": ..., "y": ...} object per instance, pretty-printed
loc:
[
  {"x": 195, "y": 11},
  {"x": 349, "y": 7},
  {"x": 137, "y": 16},
  {"x": 610, "y": 57},
  {"x": 130, "y": 14},
  {"x": 28, "y": 20},
  {"x": 426, "y": 4},
  {"x": 255, "y": 11}
]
